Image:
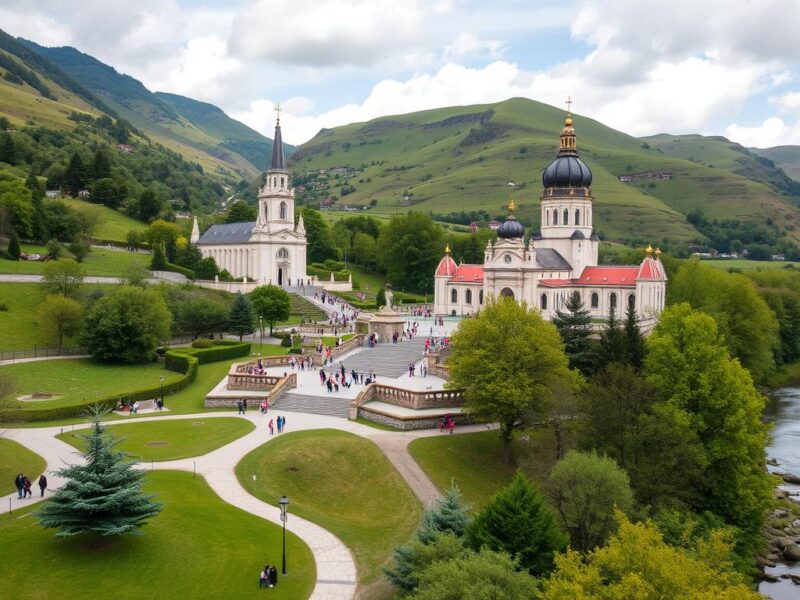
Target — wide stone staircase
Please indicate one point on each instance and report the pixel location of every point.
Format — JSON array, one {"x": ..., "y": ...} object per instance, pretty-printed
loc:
[
  {"x": 305, "y": 308},
  {"x": 318, "y": 405},
  {"x": 389, "y": 360}
]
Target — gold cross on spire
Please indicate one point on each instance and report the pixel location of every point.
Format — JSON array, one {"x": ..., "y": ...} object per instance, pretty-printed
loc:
[
  {"x": 278, "y": 110},
  {"x": 569, "y": 104}
]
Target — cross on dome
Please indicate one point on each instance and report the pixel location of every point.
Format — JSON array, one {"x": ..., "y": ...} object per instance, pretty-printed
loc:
[
  {"x": 569, "y": 104},
  {"x": 278, "y": 109}
]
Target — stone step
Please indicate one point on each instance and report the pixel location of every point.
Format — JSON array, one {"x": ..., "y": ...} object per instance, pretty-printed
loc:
[
  {"x": 318, "y": 405},
  {"x": 388, "y": 360}
]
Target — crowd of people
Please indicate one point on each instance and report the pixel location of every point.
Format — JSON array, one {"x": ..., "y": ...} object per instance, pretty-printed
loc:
[
  {"x": 24, "y": 485},
  {"x": 345, "y": 379},
  {"x": 268, "y": 577}
]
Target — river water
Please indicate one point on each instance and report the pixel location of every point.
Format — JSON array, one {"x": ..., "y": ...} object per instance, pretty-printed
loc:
[{"x": 784, "y": 411}]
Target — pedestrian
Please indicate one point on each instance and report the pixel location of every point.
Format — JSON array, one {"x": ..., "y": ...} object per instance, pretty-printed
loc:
[
  {"x": 239, "y": 407},
  {"x": 273, "y": 576},
  {"x": 26, "y": 488},
  {"x": 272, "y": 427},
  {"x": 18, "y": 483},
  {"x": 263, "y": 578},
  {"x": 283, "y": 423},
  {"x": 42, "y": 483},
  {"x": 244, "y": 406}
]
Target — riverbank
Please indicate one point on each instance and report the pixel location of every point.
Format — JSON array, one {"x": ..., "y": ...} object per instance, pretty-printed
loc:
[{"x": 786, "y": 376}]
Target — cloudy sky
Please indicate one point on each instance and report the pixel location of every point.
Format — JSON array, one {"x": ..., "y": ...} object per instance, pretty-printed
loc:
[{"x": 729, "y": 67}]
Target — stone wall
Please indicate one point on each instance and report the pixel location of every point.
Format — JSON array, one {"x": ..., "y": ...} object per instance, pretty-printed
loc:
[
  {"x": 409, "y": 423},
  {"x": 407, "y": 398},
  {"x": 281, "y": 385}
]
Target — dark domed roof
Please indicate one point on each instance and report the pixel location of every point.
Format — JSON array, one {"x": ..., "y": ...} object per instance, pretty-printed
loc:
[
  {"x": 567, "y": 171},
  {"x": 511, "y": 228}
]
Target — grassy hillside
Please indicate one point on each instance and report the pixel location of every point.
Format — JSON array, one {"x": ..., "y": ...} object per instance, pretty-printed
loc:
[
  {"x": 461, "y": 159},
  {"x": 112, "y": 225},
  {"x": 128, "y": 98},
  {"x": 785, "y": 157}
]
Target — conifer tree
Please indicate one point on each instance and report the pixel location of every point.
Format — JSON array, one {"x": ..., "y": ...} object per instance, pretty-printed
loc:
[
  {"x": 8, "y": 150},
  {"x": 241, "y": 319},
  {"x": 612, "y": 343},
  {"x": 635, "y": 348},
  {"x": 101, "y": 166},
  {"x": 574, "y": 325},
  {"x": 40, "y": 232},
  {"x": 517, "y": 521},
  {"x": 13, "y": 246},
  {"x": 449, "y": 516},
  {"x": 75, "y": 175},
  {"x": 159, "y": 262},
  {"x": 380, "y": 298},
  {"x": 102, "y": 497}
]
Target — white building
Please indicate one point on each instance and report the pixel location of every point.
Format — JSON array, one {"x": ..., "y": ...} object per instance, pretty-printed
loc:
[
  {"x": 555, "y": 262},
  {"x": 271, "y": 249}
]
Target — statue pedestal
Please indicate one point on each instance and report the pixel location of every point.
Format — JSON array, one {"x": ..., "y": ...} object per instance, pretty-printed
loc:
[{"x": 386, "y": 322}]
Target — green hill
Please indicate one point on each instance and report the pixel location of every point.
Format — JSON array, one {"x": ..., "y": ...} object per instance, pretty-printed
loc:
[
  {"x": 456, "y": 159},
  {"x": 155, "y": 116},
  {"x": 785, "y": 157},
  {"x": 236, "y": 136}
]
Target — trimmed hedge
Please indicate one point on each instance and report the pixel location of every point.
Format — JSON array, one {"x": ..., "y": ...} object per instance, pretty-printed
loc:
[
  {"x": 182, "y": 270},
  {"x": 180, "y": 360}
]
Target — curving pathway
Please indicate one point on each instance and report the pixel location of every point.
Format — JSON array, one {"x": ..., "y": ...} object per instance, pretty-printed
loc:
[{"x": 336, "y": 570}]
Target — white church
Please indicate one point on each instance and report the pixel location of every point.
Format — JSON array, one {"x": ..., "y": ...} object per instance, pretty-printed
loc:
[
  {"x": 557, "y": 261},
  {"x": 271, "y": 249}
]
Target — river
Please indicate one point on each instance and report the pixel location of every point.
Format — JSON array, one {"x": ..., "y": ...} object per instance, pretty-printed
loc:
[{"x": 784, "y": 411}]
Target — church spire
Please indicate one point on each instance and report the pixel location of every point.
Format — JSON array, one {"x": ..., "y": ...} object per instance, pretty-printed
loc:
[{"x": 278, "y": 157}]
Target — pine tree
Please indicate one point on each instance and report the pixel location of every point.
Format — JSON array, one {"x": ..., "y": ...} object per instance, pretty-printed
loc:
[
  {"x": 159, "y": 262},
  {"x": 13, "y": 246},
  {"x": 102, "y": 497},
  {"x": 8, "y": 150},
  {"x": 39, "y": 222},
  {"x": 101, "y": 166},
  {"x": 635, "y": 348},
  {"x": 241, "y": 319},
  {"x": 149, "y": 206},
  {"x": 380, "y": 298},
  {"x": 612, "y": 343},
  {"x": 575, "y": 325},
  {"x": 75, "y": 175},
  {"x": 449, "y": 516},
  {"x": 517, "y": 521}
]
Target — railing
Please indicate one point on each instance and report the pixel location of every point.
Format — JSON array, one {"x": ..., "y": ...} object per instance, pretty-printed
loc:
[
  {"x": 37, "y": 352},
  {"x": 284, "y": 383},
  {"x": 435, "y": 363},
  {"x": 354, "y": 342},
  {"x": 414, "y": 399}
]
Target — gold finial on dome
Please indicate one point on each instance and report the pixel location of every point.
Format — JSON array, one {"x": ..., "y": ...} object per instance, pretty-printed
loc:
[
  {"x": 512, "y": 206},
  {"x": 658, "y": 252},
  {"x": 447, "y": 249},
  {"x": 649, "y": 249}
]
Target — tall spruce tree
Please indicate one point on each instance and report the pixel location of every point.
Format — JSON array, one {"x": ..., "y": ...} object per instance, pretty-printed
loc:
[
  {"x": 101, "y": 165},
  {"x": 635, "y": 348},
  {"x": 8, "y": 150},
  {"x": 574, "y": 325},
  {"x": 517, "y": 521},
  {"x": 612, "y": 343},
  {"x": 39, "y": 222},
  {"x": 75, "y": 175},
  {"x": 241, "y": 319},
  {"x": 102, "y": 497},
  {"x": 13, "y": 246}
]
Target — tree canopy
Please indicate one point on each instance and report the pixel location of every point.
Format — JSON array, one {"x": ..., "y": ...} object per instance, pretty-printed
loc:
[
  {"x": 271, "y": 303},
  {"x": 410, "y": 246}
]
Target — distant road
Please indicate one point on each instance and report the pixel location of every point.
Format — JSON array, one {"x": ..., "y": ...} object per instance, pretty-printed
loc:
[{"x": 32, "y": 278}]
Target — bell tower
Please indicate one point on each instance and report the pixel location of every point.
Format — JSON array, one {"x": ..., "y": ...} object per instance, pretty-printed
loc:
[{"x": 276, "y": 199}]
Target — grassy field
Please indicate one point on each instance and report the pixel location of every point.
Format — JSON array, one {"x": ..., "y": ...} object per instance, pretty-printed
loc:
[
  {"x": 18, "y": 323},
  {"x": 113, "y": 225},
  {"x": 82, "y": 380},
  {"x": 15, "y": 459},
  {"x": 345, "y": 484},
  {"x": 751, "y": 265},
  {"x": 170, "y": 440},
  {"x": 99, "y": 262},
  {"x": 198, "y": 547},
  {"x": 473, "y": 461}
]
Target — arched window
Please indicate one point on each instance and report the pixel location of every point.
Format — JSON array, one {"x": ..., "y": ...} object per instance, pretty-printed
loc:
[
  {"x": 577, "y": 217},
  {"x": 632, "y": 301},
  {"x": 566, "y": 217},
  {"x": 283, "y": 182},
  {"x": 555, "y": 217},
  {"x": 547, "y": 215},
  {"x": 283, "y": 253},
  {"x": 543, "y": 302},
  {"x": 284, "y": 208},
  {"x": 468, "y": 297},
  {"x": 612, "y": 301},
  {"x": 595, "y": 300},
  {"x": 453, "y": 295},
  {"x": 480, "y": 297}
]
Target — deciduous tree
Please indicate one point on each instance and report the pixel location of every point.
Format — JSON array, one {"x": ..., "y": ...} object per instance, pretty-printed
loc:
[
  {"x": 64, "y": 276},
  {"x": 271, "y": 303},
  {"x": 410, "y": 246},
  {"x": 58, "y": 316}
]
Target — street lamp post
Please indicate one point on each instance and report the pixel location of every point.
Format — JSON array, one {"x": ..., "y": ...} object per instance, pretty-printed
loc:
[
  {"x": 284, "y": 502},
  {"x": 162, "y": 391},
  {"x": 261, "y": 334}
]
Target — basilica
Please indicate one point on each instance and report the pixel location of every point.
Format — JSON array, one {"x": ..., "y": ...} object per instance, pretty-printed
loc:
[
  {"x": 271, "y": 249},
  {"x": 557, "y": 261}
]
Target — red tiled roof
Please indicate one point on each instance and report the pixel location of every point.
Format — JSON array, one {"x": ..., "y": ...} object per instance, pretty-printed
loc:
[
  {"x": 624, "y": 276},
  {"x": 651, "y": 269},
  {"x": 556, "y": 282},
  {"x": 447, "y": 266},
  {"x": 467, "y": 273}
]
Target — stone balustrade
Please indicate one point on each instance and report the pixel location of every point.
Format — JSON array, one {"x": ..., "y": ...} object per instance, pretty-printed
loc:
[
  {"x": 343, "y": 348},
  {"x": 407, "y": 398}
]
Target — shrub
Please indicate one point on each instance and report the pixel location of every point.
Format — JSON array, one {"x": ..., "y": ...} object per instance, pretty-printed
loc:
[
  {"x": 202, "y": 343},
  {"x": 295, "y": 350},
  {"x": 286, "y": 342},
  {"x": 182, "y": 270}
]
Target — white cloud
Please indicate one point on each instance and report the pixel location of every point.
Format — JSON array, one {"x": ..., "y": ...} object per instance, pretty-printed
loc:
[
  {"x": 467, "y": 44},
  {"x": 789, "y": 102},
  {"x": 772, "y": 132}
]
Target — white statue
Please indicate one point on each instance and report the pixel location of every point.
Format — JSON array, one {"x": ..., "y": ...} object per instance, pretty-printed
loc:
[{"x": 389, "y": 297}]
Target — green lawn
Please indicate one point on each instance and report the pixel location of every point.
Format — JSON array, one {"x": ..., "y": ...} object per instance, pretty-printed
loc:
[
  {"x": 473, "y": 461},
  {"x": 113, "y": 225},
  {"x": 198, "y": 547},
  {"x": 750, "y": 265},
  {"x": 99, "y": 262},
  {"x": 343, "y": 483},
  {"x": 15, "y": 459},
  {"x": 170, "y": 440},
  {"x": 82, "y": 379}
]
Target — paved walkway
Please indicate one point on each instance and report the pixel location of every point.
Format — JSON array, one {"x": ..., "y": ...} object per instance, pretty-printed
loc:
[{"x": 336, "y": 571}]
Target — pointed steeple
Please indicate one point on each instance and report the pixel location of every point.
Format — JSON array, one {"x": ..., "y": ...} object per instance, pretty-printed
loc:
[
  {"x": 278, "y": 157},
  {"x": 301, "y": 228},
  {"x": 195, "y": 232}
]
